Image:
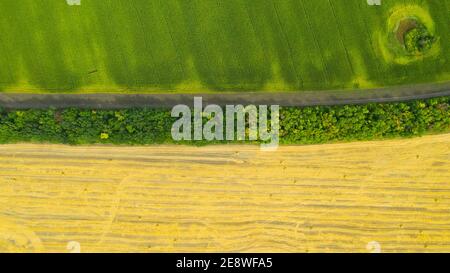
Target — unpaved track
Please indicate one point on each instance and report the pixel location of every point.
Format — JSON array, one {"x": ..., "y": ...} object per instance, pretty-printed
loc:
[
  {"x": 303, "y": 98},
  {"x": 324, "y": 198}
]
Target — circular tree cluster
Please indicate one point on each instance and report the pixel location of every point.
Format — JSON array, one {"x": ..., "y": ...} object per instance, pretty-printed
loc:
[{"x": 418, "y": 40}]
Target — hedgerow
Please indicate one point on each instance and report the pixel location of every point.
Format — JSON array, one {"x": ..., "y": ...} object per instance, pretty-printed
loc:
[
  {"x": 305, "y": 125},
  {"x": 364, "y": 122}
]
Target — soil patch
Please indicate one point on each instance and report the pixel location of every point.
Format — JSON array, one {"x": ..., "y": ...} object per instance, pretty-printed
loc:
[{"x": 404, "y": 26}]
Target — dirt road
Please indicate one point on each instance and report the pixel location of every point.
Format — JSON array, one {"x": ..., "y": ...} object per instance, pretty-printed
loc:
[{"x": 303, "y": 98}]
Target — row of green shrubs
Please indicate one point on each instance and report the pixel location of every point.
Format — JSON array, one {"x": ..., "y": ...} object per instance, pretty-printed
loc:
[{"x": 305, "y": 125}]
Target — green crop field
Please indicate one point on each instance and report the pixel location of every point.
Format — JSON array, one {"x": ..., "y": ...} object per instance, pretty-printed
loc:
[{"x": 215, "y": 45}]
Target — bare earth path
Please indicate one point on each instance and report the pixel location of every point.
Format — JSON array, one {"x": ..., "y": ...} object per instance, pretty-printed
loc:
[
  {"x": 341, "y": 197},
  {"x": 303, "y": 98}
]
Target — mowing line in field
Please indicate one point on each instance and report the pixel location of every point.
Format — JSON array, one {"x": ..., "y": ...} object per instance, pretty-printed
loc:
[
  {"x": 285, "y": 37},
  {"x": 324, "y": 64},
  {"x": 332, "y": 50},
  {"x": 256, "y": 36},
  {"x": 369, "y": 38},
  {"x": 339, "y": 27},
  {"x": 144, "y": 36},
  {"x": 169, "y": 29}
]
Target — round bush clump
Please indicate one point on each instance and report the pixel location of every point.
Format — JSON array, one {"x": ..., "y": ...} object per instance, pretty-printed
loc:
[{"x": 418, "y": 40}]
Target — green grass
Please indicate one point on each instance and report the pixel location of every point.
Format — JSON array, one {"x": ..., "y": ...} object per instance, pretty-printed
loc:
[{"x": 208, "y": 45}]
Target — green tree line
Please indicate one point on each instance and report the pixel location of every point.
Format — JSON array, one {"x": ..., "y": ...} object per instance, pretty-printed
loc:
[{"x": 298, "y": 125}]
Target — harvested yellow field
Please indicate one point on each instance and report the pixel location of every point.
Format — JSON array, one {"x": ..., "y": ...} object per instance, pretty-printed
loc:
[{"x": 357, "y": 197}]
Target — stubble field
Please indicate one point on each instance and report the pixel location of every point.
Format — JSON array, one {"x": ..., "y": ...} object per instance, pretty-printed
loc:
[{"x": 340, "y": 197}]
